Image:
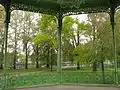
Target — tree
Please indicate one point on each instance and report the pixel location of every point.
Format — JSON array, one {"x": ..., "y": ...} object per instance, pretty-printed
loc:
[
  {"x": 72, "y": 32},
  {"x": 23, "y": 29},
  {"x": 1, "y": 36},
  {"x": 45, "y": 40},
  {"x": 47, "y": 43},
  {"x": 28, "y": 27},
  {"x": 96, "y": 21},
  {"x": 14, "y": 35}
]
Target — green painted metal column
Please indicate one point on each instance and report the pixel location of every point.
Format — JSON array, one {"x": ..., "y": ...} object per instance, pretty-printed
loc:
[
  {"x": 112, "y": 19},
  {"x": 7, "y": 21},
  {"x": 59, "y": 61}
]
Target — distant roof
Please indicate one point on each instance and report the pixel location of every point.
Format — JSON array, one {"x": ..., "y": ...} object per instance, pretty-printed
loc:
[{"x": 65, "y": 6}]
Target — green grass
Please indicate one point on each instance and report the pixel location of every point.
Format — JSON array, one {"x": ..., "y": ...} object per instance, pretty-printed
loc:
[
  {"x": 25, "y": 70},
  {"x": 48, "y": 70}
]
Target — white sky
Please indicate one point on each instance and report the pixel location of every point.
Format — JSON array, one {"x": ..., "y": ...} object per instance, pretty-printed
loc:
[{"x": 82, "y": 17}]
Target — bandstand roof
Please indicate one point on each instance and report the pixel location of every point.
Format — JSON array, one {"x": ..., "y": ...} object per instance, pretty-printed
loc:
[{"x": 63, "y": 6}]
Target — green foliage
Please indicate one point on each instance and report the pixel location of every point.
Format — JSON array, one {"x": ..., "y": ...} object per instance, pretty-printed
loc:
[
  {"x": 41, "y": 38},
  {"x": 44, "y": 39},
  {"x": 79, "y": 53}
]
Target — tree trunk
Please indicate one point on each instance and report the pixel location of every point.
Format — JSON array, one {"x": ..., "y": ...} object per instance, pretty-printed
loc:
[
  {"x": 78, "y": 65},
  {"x": 94, "y": 66},
  {"x": 103, "y": 75},
  {"x": 1, "y": 66},
  {"x": 15, "y": 53},
  {"x": 37, "y": 63},
  {"x": 94, "y": 46},
  {"x": 47, "y": 63},
  {"x": 51, "y": 60},
  {"x": 14, "y": 62},
  {"x": 118, "y": 64},
  {"x": 2, "y": 54},
  {"x": 77, "y": 44},
  {"x": 102, "y": 62},
  {"x": 26, "y": 59}
]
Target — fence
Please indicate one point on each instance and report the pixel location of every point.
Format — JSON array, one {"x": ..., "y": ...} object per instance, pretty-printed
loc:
[{"x": 50, "y": 78}]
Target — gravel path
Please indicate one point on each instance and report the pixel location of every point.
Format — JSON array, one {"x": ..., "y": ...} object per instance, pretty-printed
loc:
[{"x": 66, "y": 87}]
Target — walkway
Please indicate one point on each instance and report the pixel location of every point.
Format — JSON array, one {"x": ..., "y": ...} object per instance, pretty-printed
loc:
[{"x": 66, "y": 87}]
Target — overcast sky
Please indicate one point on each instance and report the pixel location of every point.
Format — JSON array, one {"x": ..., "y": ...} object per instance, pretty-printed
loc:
[{"x": 82, "y": 17}]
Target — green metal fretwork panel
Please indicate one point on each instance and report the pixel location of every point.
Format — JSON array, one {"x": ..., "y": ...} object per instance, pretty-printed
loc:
[
  {"x": 87, "y": 78},
  {"x": 109, "y": 78},
  {"x": 119, "y": 77},
  {"x": 32, "y": 79},
  {"x": 50, "y": 78},
  {"x": 1, "y": 81}
]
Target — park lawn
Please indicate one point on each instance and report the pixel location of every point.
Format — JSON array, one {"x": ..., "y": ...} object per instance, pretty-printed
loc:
[{"x": 54, "y": 70}]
